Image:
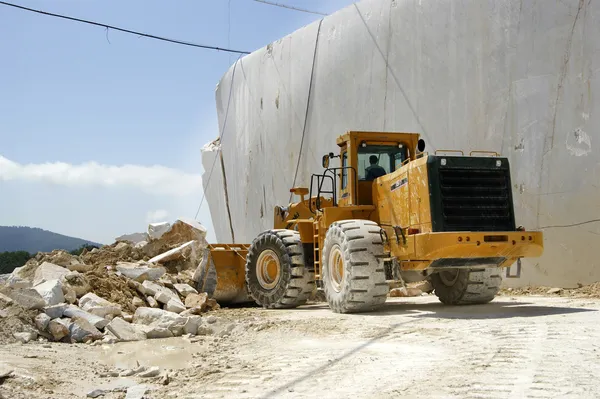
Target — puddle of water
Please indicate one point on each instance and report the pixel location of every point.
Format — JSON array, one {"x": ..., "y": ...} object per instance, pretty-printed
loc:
[{"x": 168, "y": 353}]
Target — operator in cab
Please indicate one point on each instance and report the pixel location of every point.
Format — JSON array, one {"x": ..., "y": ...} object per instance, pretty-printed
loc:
[{"x": 374, "y": 171}]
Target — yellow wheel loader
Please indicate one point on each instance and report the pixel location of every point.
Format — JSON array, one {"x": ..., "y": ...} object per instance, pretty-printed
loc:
[{"x": 388, "y": 214}]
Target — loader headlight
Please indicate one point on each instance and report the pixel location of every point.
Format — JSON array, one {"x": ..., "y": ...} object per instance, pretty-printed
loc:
[
  {"x": 443, "y": 161},
  {"x": 498, "y": 163}
]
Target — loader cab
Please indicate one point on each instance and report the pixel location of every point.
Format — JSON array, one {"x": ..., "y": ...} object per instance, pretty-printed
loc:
[{"x": 366, "y": 156}]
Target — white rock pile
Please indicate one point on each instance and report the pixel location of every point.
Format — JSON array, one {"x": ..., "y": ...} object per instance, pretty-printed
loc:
[{"x": 163, "y": 304}]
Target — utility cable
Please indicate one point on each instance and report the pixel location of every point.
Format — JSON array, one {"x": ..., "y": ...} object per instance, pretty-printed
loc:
[
  {"x": 290, "y": 7},
  {"x": 106, "y": 26},
  {"x": 570, "y": 225},
  {"x": 221, "y": 134}
]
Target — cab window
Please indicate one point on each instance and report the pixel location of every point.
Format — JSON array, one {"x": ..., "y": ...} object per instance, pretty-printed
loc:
[{"x": 377, "y": 160}]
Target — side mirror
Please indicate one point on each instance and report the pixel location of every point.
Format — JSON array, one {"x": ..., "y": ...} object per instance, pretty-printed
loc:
[
  {"x": 421, "y": 145},
  {"x": 325, "y": 161}
]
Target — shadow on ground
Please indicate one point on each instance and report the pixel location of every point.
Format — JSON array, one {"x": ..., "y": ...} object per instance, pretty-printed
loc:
[{"x": 493, "y": 310}]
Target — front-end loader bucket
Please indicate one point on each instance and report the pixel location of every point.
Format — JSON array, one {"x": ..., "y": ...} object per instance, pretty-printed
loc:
[{"x": 221, "y": 274}]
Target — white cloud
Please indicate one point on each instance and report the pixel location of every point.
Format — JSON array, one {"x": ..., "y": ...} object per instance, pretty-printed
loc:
[
  {"x": 159, "y": 215},
  {"x": 154, "y": 179}
]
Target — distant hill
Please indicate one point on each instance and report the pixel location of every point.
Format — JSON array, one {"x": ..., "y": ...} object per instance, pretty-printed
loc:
[{"x": 33, "y": 240}]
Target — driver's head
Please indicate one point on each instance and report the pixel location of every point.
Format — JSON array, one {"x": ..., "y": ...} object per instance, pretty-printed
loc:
[{"x": 373, "y": 159}]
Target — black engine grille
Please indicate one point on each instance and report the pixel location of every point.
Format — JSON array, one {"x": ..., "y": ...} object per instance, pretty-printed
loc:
[
  {"x": 471, "y": 194},
  {"x": 475, "y": 199}
]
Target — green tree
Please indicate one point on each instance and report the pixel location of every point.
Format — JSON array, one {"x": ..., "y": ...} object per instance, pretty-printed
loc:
[{"x": 9, "y": 261}]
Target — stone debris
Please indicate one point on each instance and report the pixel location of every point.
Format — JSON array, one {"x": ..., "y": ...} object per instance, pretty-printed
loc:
[
  {"x": 137, "y": 302},
  {"x": 185, "y": 289},
  {"x": 56, "y": 311},
  {"x": 41, "y": 321},
  {"x": 554, "y": 291},
  {"x": 27, "y": 298},
  {"x": 141, "y": 272},
  {"x": 5, "y": 300},
  {"x": 151, "y": 372},
  {"x": 175, "y": 253},
  {"x": 95, "y": 305},
  {"x": 405, "y": 292},
  {"x": 81, "y": 330},
  {"x": 73, "y": 311},
  {"x": 125, "y": 331},
  {"x": 152, "y": 302},
  {"x": 51, "y": 291},
  {"x": 137, "y": 392},
  {"x": 49, "y": 271},
  {"x": 196, "y": 300},
  {"x": 97, "y": 393},
  {"x": 25, "y": 337},
  {"x": 118, "y": 292},
  {"x": 175, "y": 306},
  {"x": 59, "y": 328},
  {"x": 156, "y": 230}
]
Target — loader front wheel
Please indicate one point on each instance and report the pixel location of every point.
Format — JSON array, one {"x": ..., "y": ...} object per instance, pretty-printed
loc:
[
  {"x": 276, "y": 274},
  {"x": 353, "y": 272},
  {"x": 466, "y": 286}
]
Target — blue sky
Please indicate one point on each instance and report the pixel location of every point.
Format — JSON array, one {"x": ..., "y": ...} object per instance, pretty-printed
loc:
[{"x": 100, "y": 132}]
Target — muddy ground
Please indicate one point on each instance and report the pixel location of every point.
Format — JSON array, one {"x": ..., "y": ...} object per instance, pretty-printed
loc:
[{"x": 531, "y": 346}]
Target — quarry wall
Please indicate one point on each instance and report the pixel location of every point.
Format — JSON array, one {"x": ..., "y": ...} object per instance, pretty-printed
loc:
[{"x": 517, "y": 77}]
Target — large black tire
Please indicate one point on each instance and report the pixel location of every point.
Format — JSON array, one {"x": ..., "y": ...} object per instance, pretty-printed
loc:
[
  {"x": 466, "y": 286},
  {"x": 295, "y": 281},
  {"x": 361, "y": 286}
]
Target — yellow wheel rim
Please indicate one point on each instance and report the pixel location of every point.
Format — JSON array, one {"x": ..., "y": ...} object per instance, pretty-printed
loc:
[
  {"x": 268, "y": 269},
  {"x": 336, "y": 268}
]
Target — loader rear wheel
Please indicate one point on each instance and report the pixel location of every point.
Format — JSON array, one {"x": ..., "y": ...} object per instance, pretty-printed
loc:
[
  {"x": 466, "y": 286},
  {"x": 353, "y": 272},
  {"x": 276, "y": 273}
]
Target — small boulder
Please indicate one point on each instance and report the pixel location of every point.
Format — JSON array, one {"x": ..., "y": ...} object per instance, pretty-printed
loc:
[
  {"x": 137, "y": 392},
  {"x": 69, "y": 293},
  {"x": 191, "y": 327},
  {"x": 151, "y": 288},
  {"x": 75, "y": 312},
  {"x": 555, "y": 290},
  {"x": 140, "y": 272},
  {"x": 156, "y": 230},
  {"x": 51, "y": 291},
  {"x": 27, "y": 298},
  {"x": 175, "y": 306},
  {"x": 137, "y": 302},
  {"x": 151, "y": 372},
  {"x": 41, "y": 321},
  {"x": 98, "y": 306},
  {"x": 136, "y": 286},
  {"x": 196, "y": 300},
  {"x": 56, "y": 311},
  {"x": 191, "y": 312},
  {"x": 185, "y": 289},
  {"x": 82, "y": 330},
  {"x": 25, "y": 337},
  {"x": 152, "y": 302},
  {"x": 165, "y": 297},
  {"x": 59, "y": 328},
  {"x": 125, "y": 331},
  {"x": 96, "y": 393}
]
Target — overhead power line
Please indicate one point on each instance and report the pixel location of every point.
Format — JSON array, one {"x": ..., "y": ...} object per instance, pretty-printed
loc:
[
  {"x": 106, "y": 26},
  {"x": 290, "y": 7}
]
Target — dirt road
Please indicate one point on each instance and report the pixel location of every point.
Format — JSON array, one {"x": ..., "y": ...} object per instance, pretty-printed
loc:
[{"x": 415, "y": 347}]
